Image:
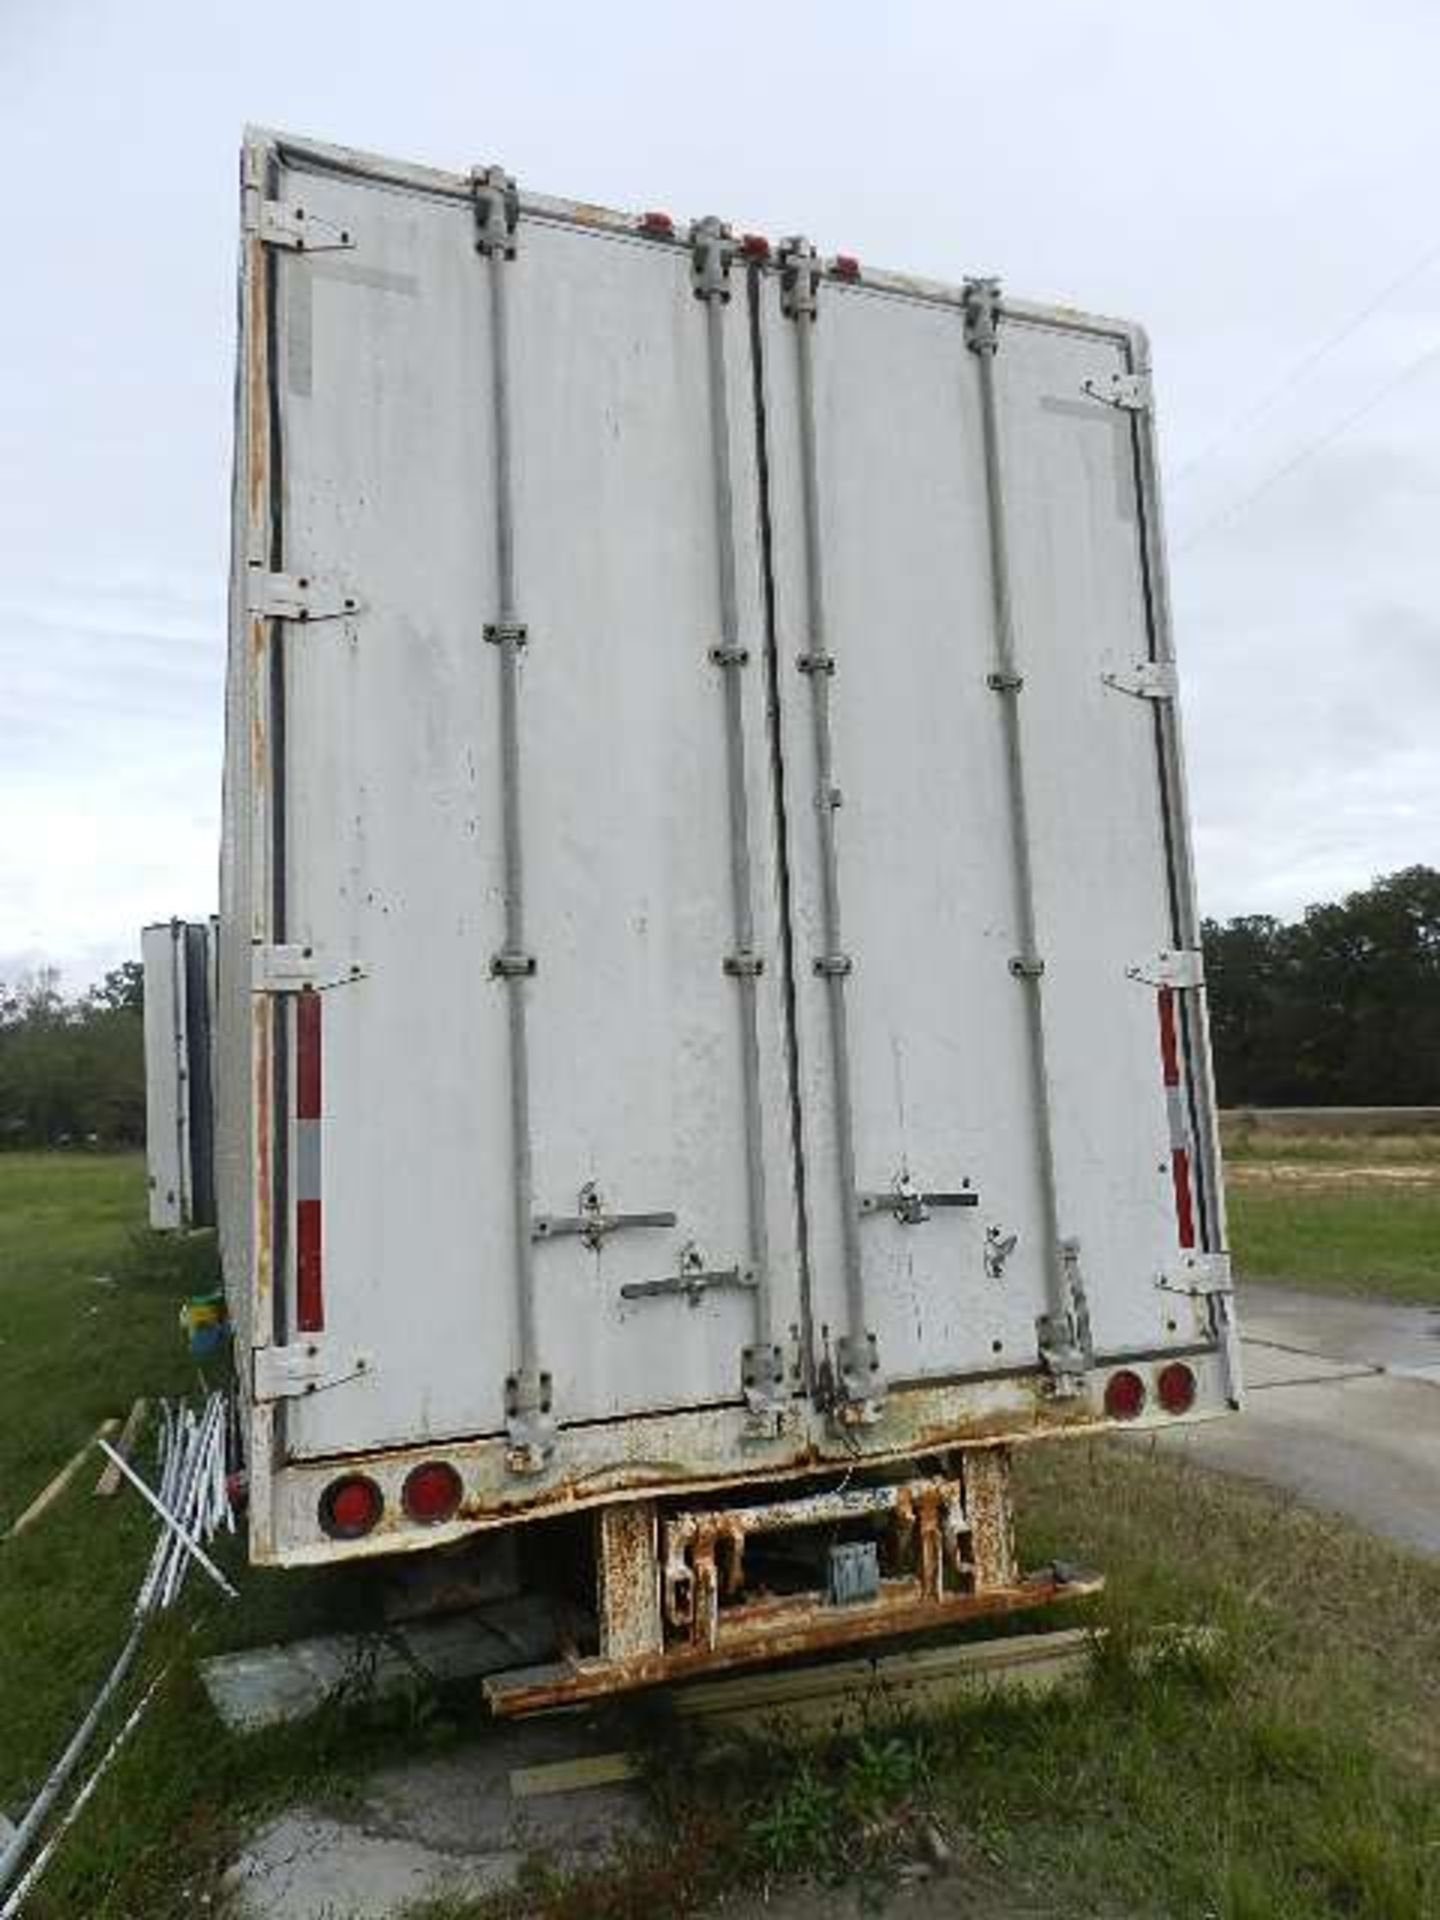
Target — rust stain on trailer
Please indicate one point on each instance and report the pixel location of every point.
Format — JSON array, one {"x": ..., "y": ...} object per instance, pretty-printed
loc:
[
  {"x": 591, "y": 1487},
  {"x": 257, "y": 411}
]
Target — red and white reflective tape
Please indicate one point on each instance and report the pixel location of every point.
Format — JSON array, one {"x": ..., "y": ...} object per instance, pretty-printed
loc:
[
  {"x": 309, "y": 1265},
  {"x": 1179, "y": 1118}
]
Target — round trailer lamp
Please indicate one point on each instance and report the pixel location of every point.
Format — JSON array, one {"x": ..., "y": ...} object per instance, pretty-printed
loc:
[
  {"x": 350, "y": 1507},
  {"x": 431, "y": 1493},
  {"x": 1175, "y": 1387},
  {"x": 1124, "y": 1395}
]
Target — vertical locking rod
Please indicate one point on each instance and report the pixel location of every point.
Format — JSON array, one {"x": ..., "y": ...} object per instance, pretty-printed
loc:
[
  {"x": 527, "y": 1389},
  {"x": 1062, "y": 1326},
  {"x": 762, "y": 1364},
  {"x": 860, "y": 1381}
]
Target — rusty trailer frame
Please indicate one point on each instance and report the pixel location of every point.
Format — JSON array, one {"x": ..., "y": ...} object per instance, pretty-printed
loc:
[{"x": 674, "y": 1600}]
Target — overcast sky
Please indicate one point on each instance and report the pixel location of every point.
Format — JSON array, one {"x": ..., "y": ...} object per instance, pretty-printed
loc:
[{"x": 1245, "y": 179}]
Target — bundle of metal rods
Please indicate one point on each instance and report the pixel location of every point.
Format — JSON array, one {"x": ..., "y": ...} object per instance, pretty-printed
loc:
[{"x": 190, "y": 1456}]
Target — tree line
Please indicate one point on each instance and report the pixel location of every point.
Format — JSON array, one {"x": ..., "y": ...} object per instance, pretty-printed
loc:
[
  {"x": 72, "y": 1070},
  {"x": 1338, "y": 1008}
]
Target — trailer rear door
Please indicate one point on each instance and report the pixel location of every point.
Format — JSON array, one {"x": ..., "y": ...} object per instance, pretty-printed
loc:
[
  {"x": 627, "y": 782},
  {"x": 933, "y": 1130}
]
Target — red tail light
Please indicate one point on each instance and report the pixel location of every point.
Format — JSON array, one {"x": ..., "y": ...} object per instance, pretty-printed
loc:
[
  {"x": 350, "y": 1507},
  {"x": 658, "y": 223},
  {"x": 431, "y": 1493},
  {"x": 1175, "y": 1388},
  {"x": 1124, "y": 1395},
  {"x": 755, "y": 245},
  {"x": 845, "y": 267}
]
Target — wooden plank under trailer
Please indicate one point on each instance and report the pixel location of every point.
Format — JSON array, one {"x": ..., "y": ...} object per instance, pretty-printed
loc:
[{"x": 675, "y": 1600}]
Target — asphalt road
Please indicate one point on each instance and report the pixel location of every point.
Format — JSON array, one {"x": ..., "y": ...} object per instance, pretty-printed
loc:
[{"x": 1342, "y": 1408}]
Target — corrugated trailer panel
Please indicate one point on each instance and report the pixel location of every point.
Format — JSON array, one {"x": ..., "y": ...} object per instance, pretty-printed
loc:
[{"x": 707, "y": 958}]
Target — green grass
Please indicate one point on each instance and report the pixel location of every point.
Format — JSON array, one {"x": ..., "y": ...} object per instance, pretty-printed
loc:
[
  {"x": 72, "y": 1352},
  {"x": 1292, "y": 1773},
  {"x": 1310, "y": 1227},
  {"x": 1296, "y": 1776}
]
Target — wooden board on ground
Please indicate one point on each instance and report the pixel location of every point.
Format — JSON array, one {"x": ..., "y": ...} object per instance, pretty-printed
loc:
[
  {"x": 110, "y": 1480},
  {"x": 840, "y": 1695},
  {"x": 48, "y": 1495}
]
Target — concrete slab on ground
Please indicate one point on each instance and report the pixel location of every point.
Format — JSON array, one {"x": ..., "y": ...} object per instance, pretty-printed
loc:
[
  {"x": 266, "y": 1686},
  {"x": 443, "y": 1825},
  {"x": 1343, "y": 1409}
]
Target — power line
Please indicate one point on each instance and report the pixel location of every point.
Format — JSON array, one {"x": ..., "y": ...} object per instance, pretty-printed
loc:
[
  {"x": 1303, "y": 366},
  {"x": 1308, "y": 452}
]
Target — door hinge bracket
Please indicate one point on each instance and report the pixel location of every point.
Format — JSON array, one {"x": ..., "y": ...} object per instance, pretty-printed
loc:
[
  {"x": 982, "y": 315},
  {"x": 730, "y": 656},
  {"x": 1067, "y": 1347},
  {"x": 1005, "y": 682},
  {"x": 711, "y": 251},
  {"x": 1171, "y": 967},
  {"x": 277, "y": 224},
  {"x": 496, "y": 202},
  {"x": 816, "y": 663},
  {"x": 296, "y": 968},
  {"x": 1198, "y": 1274},
  {"x": 744, "y": 966},
  {"x": 1128, "y": 391},
  {"x": 1027, "y": 966},
  {"x": 800, "y": 272},
  {"x": 299, "y": 597},
  {"x": 507, "y": 633},
  {"x": 763, "y": 1382},
  {"x": 860, "y": 1382},
  {"x": 833, "y": 966},
  {"x": 303, "y": 1367},
  {"x": 529, "y": 1422},
  {"x": 1145, "y": 679}
]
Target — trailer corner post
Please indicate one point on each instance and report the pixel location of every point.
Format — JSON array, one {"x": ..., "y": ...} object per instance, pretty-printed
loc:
[
  {"x": 529, "y": 1423},
  {"x": 1064, "y": 1328},
  {"x": 860, "y": 1379},
  {"x": 762, "y": 1363},
  {"x": 1211, "y": 1195}
]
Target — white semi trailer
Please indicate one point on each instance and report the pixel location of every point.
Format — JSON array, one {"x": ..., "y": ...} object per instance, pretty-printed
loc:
[
  {"x": 713, "y": 1030},
  {"x": 179, "y": 962}
]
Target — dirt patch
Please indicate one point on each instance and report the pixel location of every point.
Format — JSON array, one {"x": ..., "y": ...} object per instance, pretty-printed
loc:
[{"x": 1330, "y": 1174}]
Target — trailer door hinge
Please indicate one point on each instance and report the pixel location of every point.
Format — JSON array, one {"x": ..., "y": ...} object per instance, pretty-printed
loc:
[
  {"x": 296, "y": 228},
  {"x": 303, "y": 1367},
  {"x": 799, "y": 278},
  {"x": 1146, "y": 679},
  {"x": 294, "y": 968},
  {"x": 300, "y": 597},
  {"x": 1198, "y": 1274},
  {"x": 1171, "y": 967},
  {"x": 1128, "y": 391}
]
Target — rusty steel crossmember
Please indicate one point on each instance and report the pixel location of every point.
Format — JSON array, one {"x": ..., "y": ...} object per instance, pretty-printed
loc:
[
  {"x": 766, "y": 1639},
  {"x": 674, "y": 1599}
]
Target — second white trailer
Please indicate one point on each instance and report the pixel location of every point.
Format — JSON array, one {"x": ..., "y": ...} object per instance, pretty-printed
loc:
[{"x": 179, "y": 962}]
